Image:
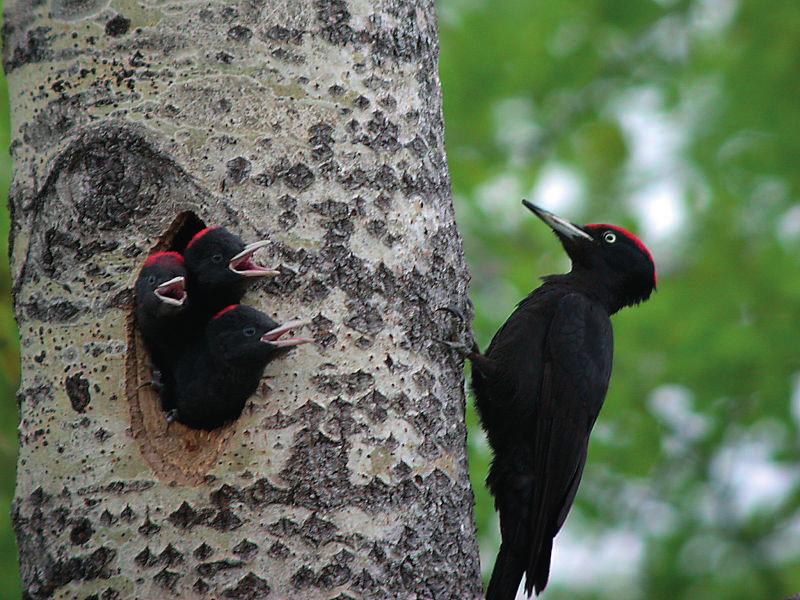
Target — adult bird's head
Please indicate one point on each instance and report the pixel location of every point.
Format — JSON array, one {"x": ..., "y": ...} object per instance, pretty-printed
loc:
[
  {"x": 246, "y": 338},
  {"x": 611, "y": 259},
  {"x": 215, "y": 257},
  {"x": 161, "y": 286}
]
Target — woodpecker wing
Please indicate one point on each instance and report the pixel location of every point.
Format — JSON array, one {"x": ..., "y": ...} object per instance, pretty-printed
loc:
[{"x": 577, "y": 359}]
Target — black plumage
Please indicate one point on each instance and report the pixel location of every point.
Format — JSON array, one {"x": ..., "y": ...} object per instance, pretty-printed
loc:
[
  {"x": 220, "y": 267},
  {"x": 221, "y": 370},
  {"x": 539, "y": 388},
  {"x": 161, "y": 305}
]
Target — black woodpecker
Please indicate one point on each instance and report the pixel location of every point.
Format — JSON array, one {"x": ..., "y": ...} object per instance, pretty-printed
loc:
[
  {"x": 220, "y": 267},
  {"x": 221, "y": 370},
  {"x": 161, "y": 303},
  {"x": 540, "y": 386}
]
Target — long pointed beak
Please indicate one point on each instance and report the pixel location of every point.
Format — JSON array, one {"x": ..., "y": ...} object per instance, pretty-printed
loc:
[
  {"x": 273, "y": 336},
  {"x": 243, "y": 263},
  {"x": 172, "y": 292},
  {"x": 557, "y": 224}
]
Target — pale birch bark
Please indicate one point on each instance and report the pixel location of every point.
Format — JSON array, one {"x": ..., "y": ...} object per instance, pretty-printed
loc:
[{"x": 315, "y": 124}]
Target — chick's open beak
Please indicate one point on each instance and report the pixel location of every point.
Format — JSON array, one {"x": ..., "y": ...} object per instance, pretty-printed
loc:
[
  {"x": 172, "y": 292},
  {"x": 243, "y": 263},
  {"x": 273, "y": 336}
]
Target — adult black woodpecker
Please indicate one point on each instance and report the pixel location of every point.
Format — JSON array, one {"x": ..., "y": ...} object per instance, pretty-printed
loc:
[
  {"x": 540, "y": 386},
  {"x": 221, "y": 370},
  {"x": 161, "y": 302},
  {"x": 220, "y": 267}
]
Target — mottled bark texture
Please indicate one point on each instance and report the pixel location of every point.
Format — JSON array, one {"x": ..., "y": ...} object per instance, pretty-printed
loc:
[{"x": 315, "y": 124}]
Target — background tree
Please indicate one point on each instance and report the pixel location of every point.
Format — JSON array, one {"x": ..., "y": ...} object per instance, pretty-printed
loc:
[
  {"x": 318, "y": 126},
  {"x": 678, "y": 119}
]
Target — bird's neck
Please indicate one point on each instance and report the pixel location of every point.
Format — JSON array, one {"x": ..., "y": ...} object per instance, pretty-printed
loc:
[{"x": 582, "y": 282}]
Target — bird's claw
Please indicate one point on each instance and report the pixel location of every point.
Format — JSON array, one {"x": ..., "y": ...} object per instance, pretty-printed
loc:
[
  {"x": 467, "y": 345},
  {"x": 464, "y": 349},
  {"x": 453, "y": 311}
]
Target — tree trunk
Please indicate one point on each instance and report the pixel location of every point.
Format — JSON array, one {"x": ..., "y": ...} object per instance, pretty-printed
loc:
[{"x": 316, "y": 125}]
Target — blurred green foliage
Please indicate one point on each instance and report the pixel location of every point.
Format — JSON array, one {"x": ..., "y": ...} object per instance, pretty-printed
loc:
[
  {"x": 678, "y": 119},
  {"x": 9, "y": 373}
]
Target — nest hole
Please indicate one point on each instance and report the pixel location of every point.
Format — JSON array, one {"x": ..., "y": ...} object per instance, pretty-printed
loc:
[{"x": 176, "y": 453}]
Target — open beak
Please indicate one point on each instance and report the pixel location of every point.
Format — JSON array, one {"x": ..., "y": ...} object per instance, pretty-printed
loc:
[
  {"x": 172, "y": 292},
  {"x": 561, "y": 226},
  {"x": 273, "y": 336},
  {"x": 243, "y": 263}
]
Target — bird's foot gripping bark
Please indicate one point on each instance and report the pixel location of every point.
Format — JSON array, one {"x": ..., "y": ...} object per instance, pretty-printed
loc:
[{"x": 466, "y": 346}]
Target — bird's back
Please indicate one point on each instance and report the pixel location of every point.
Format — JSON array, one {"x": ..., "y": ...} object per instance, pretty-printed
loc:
[
  {"x": 506, "y": 382},
  {"x": 538, "y": 390}
]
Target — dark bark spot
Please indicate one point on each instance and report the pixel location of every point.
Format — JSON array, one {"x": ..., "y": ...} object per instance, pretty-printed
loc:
[
  {"x": 58, "y": 311},
  {"x": 284, "y": 528},
  {"x": 118, "y": 26},
  {"x": 203, "y": 551},
  {"x": 238, "y": 169},
  {"x": 318, "y": 532},
  {"x": 212, "y": 568},
  {"x": 335, "y": 17},
  {"x": 170, "y": 556},
  {"x": 145, "y": 558},
  {"x": 362, "y": 102},
  {"x": 333, "y": 575},
  {"x": 127, "y": 514},
  {"x": 107, "y": 519},
  {"x": 303, "y": 578},
  {"x": 240, "y": 33},
  {"x": 35, "y": 47},
  {"x": 299, "y": 177},
  {"x": 245, "y": 549},
  {"x": 225, "y": 495},
  {"x": 278, "y": 551},
  {"x": 78, "y": 392},
  {"x": 148, "y": 528},
  {"x": 82, "y": 568},
  {"x": 201, "y": 587},
  {"x": 81, "y": 532},
  {"x": 167, "y": 579},
  {"x": 184, "y": 517},
  {"x": 225, "y": 520},
  {"x": 250, "y": 587},
  {"x": 287, "y": 219},
  {"x": 262, "y": 492}
]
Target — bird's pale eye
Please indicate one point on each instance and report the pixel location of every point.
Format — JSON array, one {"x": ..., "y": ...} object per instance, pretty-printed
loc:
[
  {"x": 217, "y": 258},
  {"x": 610, "y": 237},
  {"x": 151, "y": 280},
  {"x": 249, "y": 331}
]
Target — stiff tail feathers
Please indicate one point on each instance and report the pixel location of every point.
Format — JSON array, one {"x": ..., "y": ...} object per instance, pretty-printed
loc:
[{"x": 506, "y": 575}]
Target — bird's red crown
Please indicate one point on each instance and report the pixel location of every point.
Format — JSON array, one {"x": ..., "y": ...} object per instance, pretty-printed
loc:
[
  {"x": 639, "y": 243},
  {"x": 198, "y": 235},
  {"x": 225, "y": 310},
  {"x": 159, "y": 256}
]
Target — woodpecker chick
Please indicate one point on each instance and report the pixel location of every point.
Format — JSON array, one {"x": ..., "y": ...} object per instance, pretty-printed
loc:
[
  {"x": 220, "y": 267},
  {"x": 161, "y": 301},
  {"x": 539, "y": 388},
  {"x": 216, "y": 376}
]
